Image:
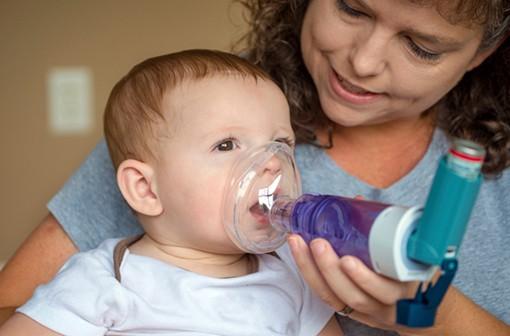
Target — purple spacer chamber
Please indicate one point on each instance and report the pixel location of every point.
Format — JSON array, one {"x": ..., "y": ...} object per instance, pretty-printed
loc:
[{"x": 344, "y": 222}]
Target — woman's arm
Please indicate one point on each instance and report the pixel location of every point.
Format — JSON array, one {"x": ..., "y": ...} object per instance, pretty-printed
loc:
[
  {"x": 36, "y": 261},
  {"x": 341, "y": 281},
  {"x": 332, "y": 328},
  {"x": 22, "y": 325}
]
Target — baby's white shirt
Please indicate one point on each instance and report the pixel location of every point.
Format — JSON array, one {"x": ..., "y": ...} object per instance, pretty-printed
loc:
[{"x": 157, "y": 298}]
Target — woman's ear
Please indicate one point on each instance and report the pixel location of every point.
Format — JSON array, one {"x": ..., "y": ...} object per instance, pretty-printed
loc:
[
  {"x": 483, "y": 54},
  {"x": 136, "y": 182}
]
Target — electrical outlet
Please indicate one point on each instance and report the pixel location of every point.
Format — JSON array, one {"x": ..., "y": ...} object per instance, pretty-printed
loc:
[{"x": 70, "y": 100}]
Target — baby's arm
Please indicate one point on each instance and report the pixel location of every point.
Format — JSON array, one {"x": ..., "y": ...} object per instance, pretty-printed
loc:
[
  {"x": 332, "y": 328},
  {"x": 22, "y": 325}
]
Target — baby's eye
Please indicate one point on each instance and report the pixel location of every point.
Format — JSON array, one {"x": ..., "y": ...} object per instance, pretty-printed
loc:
[
  {"x": 288, "y": 141},
  {"x": 225, "y": 145}
]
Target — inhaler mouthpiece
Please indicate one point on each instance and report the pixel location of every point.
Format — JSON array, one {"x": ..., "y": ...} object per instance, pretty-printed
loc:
[{"x": 257, "y": 180}]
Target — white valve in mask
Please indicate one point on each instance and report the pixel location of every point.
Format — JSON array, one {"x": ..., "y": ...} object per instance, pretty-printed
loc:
[{"x": 257, "y": 180}]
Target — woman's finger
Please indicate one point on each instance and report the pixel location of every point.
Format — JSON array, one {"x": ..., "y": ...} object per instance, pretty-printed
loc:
[
  {"x": 383, "y": 289},
  {"x": 308, "y": 268},
  {"x": 340, "y": 283}
]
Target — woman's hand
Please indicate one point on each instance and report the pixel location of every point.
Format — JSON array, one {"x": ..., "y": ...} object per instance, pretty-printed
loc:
[{"x": 347, "y": 281}]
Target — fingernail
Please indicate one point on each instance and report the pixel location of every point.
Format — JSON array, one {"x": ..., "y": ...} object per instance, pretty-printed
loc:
[
  {"x": 349, "y": 265},
  {"x": 293, "y": 243}
]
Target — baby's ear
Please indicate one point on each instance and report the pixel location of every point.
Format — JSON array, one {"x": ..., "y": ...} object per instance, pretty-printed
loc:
[{"x": 136, "y": 182}]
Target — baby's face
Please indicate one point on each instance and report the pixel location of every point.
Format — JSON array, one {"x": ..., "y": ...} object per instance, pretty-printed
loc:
[{"x": 213, "y": 122}]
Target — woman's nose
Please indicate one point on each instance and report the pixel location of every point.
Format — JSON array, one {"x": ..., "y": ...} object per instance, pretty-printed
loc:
[{"x": 368, "y": 55}]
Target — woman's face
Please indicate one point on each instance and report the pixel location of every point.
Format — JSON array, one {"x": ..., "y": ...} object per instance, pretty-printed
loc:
[{"x": 376, "y": 61}]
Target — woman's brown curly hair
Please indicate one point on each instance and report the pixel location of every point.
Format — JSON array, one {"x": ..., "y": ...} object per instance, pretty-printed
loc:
[{"x": 482, "y": 96}]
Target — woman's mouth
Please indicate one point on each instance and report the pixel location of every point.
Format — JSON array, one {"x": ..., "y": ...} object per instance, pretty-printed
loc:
[
  {"x": 350, "y": 92},
  {"x": 352, "y": 88}
]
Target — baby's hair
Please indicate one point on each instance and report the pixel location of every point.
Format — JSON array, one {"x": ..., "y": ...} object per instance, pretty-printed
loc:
[{"x": 133, "y": 113}]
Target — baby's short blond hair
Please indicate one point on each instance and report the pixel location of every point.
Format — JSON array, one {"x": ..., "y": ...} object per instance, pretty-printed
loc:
[{"x": 134, "y": 108}]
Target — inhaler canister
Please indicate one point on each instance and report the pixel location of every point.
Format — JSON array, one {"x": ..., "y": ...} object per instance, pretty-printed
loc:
[
  {"x": 441, "y": 228},
  {"x": 448, "y": 208}
]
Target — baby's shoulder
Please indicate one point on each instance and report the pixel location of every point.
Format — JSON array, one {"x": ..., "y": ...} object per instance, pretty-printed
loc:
[{"x": 98, "y": 260}]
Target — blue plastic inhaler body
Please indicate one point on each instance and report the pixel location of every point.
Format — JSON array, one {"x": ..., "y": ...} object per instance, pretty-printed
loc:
[{"x": 440, "y": 230}]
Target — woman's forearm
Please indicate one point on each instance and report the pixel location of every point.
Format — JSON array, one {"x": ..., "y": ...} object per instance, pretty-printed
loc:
[
  {"x": 5, "y": 313},
  {"x": 36, "y": 261},
  {"x": 22, "y": 325},
  {"x": 459, "y": 316}
]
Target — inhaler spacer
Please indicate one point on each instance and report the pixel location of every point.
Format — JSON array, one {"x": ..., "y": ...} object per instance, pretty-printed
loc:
[{"x": 263, "y": 204}]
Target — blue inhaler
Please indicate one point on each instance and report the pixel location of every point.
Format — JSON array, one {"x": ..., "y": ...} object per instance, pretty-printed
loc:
[
  {"x": 439, "y": 231},
  {"x": 263, "y": 204}
]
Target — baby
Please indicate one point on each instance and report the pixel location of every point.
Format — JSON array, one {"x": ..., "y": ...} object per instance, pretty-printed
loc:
[{"x": 175, "y": 125}]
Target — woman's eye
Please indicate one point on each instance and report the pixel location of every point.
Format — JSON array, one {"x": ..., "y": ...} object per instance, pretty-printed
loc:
[
  {"x": 225, "y": 145},
  {"x": 344, "y": 7},
  {"x": 422, "y": 53}
]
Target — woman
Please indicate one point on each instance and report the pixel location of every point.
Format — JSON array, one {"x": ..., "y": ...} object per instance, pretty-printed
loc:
[
  {"x": 370, "y": 81},
  {"x": 376, "y": 88}
]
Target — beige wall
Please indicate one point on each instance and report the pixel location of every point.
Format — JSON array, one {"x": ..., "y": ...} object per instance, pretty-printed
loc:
[{"x": 109, "y": 36}]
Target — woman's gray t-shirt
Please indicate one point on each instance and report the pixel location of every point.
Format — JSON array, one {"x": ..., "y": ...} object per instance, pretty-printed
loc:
[{"x": 91, "y": 209}]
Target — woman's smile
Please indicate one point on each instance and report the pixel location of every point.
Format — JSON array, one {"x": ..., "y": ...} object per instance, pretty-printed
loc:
[{"x": 349, "y": 92}]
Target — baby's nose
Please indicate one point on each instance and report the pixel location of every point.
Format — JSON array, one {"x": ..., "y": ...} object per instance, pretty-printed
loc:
[{"x": 273, "y": 165}]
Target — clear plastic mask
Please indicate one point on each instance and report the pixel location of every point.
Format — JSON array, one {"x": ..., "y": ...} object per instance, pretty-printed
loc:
[{"x": 257, "y": 180}]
